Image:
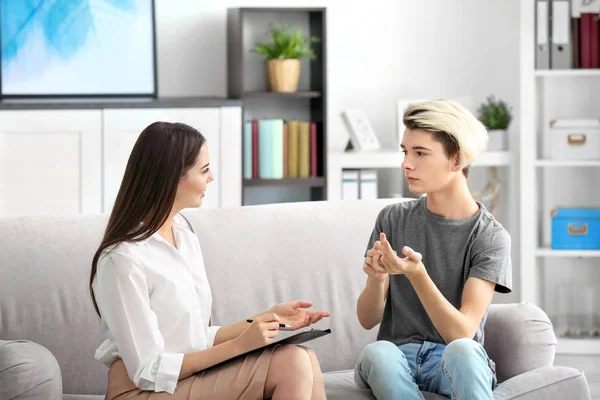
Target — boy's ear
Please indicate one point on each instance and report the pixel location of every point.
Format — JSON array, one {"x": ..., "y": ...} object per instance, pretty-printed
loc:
[{"x": 456, "y": 162}]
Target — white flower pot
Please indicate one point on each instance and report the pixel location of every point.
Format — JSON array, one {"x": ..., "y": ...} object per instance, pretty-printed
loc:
[{"x": 498, "y": 140}]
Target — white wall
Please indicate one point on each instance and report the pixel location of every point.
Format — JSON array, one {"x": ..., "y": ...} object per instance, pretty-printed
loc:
[
  {"x": 378, "y": 52},
  {"x": 406, "y": 48}
]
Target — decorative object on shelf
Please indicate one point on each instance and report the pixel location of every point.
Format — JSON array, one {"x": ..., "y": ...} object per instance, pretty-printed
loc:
[
  {"x": 491, "y": 192},
  {"x": 575, "y": 315},
  {"x": 576, "y": 229},
  {"x": 496, "y": 115},
  {"x": 575, "y": 139},
  {"x": 83, "y": 48},
  {"x": 282, "y": 56},
  {"x": 362, "y": 135}
]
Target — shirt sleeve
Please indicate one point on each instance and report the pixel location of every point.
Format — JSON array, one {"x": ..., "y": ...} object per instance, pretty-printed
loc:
[
  {"x": 121, "y": 292},
  {"x": 212, "y": 333},
  {"x": 491, "y": 259}
]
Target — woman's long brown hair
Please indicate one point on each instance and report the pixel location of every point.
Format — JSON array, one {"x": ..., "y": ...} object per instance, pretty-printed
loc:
[{"x": 162, "y": 154}]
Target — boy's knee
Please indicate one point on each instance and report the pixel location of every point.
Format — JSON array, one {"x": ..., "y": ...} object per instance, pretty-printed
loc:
[
  {"x": 377, "y": 352},
  {"x": 462, "y": 351},
  {"x": 28, "y": 369}
]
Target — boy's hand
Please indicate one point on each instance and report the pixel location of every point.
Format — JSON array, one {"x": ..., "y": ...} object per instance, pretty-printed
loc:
[
  {"x": 395, "y": 265},
  {"x": 372, "y": 266}
]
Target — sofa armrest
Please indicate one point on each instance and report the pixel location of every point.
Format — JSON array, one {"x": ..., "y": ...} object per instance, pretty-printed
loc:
[
  {"x": 518, "y": 338},
  {"x": 28, "y": 370},
  {"x": 547, "y": 383}
]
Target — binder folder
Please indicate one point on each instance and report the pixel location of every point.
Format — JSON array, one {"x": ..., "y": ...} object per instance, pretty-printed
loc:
[
  {"x": 561, "y": 57},
  {"x": 542, "y": 46}
]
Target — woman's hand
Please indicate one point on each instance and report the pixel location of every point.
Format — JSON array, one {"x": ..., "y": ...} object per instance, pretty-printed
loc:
[
  {"x": 292, "y": 313},
  {"x": 262, "y": 331},
  {"x": 394, "y": 265}
]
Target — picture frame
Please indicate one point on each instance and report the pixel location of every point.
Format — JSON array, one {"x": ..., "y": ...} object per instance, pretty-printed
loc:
[
  {"x": 362, "y": 135},
  {"x": 78, "y": 50}
]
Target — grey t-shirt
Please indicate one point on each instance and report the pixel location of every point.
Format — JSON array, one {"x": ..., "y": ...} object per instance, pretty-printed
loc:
[{"x": 452, "y": 250}]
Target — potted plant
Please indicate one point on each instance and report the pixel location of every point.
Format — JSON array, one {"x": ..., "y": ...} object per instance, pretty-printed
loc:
[
  {"x": 282, "y": 55},
  {"x": 496, "y": 115}
]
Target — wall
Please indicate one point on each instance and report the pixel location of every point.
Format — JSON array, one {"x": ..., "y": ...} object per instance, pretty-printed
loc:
[{"x": 378, "y": 52}]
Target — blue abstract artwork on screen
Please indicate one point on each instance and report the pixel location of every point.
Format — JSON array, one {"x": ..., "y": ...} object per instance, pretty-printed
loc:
[{"x": 77, "y": 47}]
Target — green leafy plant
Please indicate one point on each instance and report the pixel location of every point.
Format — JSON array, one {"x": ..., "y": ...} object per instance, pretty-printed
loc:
[
  {"x": 495, "y": 114},
  {"x": 286, "y": 44}
]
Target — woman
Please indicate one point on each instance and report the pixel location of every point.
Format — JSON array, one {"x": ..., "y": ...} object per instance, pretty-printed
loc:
[
  {"x": 150, "y": 288},
  {"x": 433, "y": 265}
]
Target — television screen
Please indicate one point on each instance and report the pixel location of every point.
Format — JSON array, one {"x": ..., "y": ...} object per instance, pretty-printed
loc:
[{"x": 77, "y": 48}]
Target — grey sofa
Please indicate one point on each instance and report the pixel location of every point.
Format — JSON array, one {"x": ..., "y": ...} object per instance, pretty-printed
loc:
[{"x": 255, "y": 257}]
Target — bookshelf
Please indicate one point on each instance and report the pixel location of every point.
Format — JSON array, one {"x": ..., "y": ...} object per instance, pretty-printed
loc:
[
  {"x": 247, "y": 81},
  {"x": 392, "y": 159},
  {"x": 546, "y": 184}
]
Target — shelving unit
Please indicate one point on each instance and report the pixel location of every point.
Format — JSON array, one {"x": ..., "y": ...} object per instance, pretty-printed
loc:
[
  {"x": 247, "y": 81},
  {"x": 337, "y": 162},
  {"x": 546, "y": 184}
]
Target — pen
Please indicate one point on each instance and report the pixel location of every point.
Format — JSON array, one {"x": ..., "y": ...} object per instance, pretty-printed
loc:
[{"x": 280, "y": 325}]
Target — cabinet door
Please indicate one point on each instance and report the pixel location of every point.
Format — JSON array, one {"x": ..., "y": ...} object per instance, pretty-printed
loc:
[
  {"x": 50, "y": 162},
  {"x": 123, "y": 126}
]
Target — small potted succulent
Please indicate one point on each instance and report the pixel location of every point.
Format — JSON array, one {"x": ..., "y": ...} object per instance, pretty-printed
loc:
[
  {"x": 496, "y": 115},
  {"x": 282, "y": 55}
]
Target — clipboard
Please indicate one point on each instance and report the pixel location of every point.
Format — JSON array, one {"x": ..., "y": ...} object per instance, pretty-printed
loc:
[{"x": 298, "y": 338}]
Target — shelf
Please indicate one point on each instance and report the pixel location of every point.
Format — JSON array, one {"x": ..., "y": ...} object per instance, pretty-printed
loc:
[
  {"x": 304, "y": 182},
  {"x": 393, "y": 159},
  {"x": 577, "y": 346},
  {"x": 493, "y": 159},
  {"x": 547, "y": 252},
  {"x": 567, "y": 163},
  {"x": 295, "y": 95},
  {"x": 567, "y": 72}
]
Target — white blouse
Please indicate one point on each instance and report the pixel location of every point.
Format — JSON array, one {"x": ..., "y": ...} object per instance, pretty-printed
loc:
[{"x": 155, "y": 302}]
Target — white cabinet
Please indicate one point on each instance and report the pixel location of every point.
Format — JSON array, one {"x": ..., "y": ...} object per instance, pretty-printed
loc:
[
  {"x": 50, "y": 162},
  {"x": 123, "y": 126},
  {"x": 72, "y": 161}
]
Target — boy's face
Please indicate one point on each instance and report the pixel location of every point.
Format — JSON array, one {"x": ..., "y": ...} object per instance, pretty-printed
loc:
[{"x": 426, "y": 166}]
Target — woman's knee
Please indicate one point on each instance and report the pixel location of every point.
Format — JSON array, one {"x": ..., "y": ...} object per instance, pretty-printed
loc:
[
  {"x": 294, "y": 360},
  {"x": 314, "y": 360}
]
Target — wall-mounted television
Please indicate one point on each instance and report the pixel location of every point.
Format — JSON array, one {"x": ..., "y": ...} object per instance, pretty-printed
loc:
[{"x": 77, "y": 48}]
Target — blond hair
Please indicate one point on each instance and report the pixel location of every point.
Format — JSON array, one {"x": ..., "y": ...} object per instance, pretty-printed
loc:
[{"x": 464, "y": 132}]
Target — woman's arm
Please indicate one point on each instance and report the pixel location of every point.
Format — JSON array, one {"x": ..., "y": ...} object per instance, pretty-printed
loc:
[
  {"x": 260, "y": 332},
  {"x": 229, "y": 332}
]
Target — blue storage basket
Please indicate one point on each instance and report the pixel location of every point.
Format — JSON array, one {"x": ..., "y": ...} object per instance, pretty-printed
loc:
[{"x": 576, "y": 229}]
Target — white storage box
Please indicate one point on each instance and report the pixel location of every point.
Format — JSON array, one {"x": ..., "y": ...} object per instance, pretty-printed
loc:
[{"x": 575, "y": 139}]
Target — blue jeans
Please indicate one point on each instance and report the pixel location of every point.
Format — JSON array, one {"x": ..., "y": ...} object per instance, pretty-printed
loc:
[{"x": 459, "y": 370}]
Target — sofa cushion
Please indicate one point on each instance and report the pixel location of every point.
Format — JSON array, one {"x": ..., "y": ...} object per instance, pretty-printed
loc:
[
  {"x": 44, "y": 295},
  {"x": 28, "y": 371},
  {"x": 545, "y": 383},
  {"x": 339, "y": 385},
  {"x": 519, "y": 338},
  {"x": 539, "y": 384}
]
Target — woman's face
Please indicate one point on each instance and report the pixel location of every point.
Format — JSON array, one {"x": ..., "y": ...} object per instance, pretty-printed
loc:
[{"x": 192, "y": 186}]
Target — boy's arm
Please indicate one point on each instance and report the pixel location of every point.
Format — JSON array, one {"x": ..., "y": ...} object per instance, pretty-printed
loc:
[
  {"x": 451, "y": 323},
  {"x": 371, "y": 302}
]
